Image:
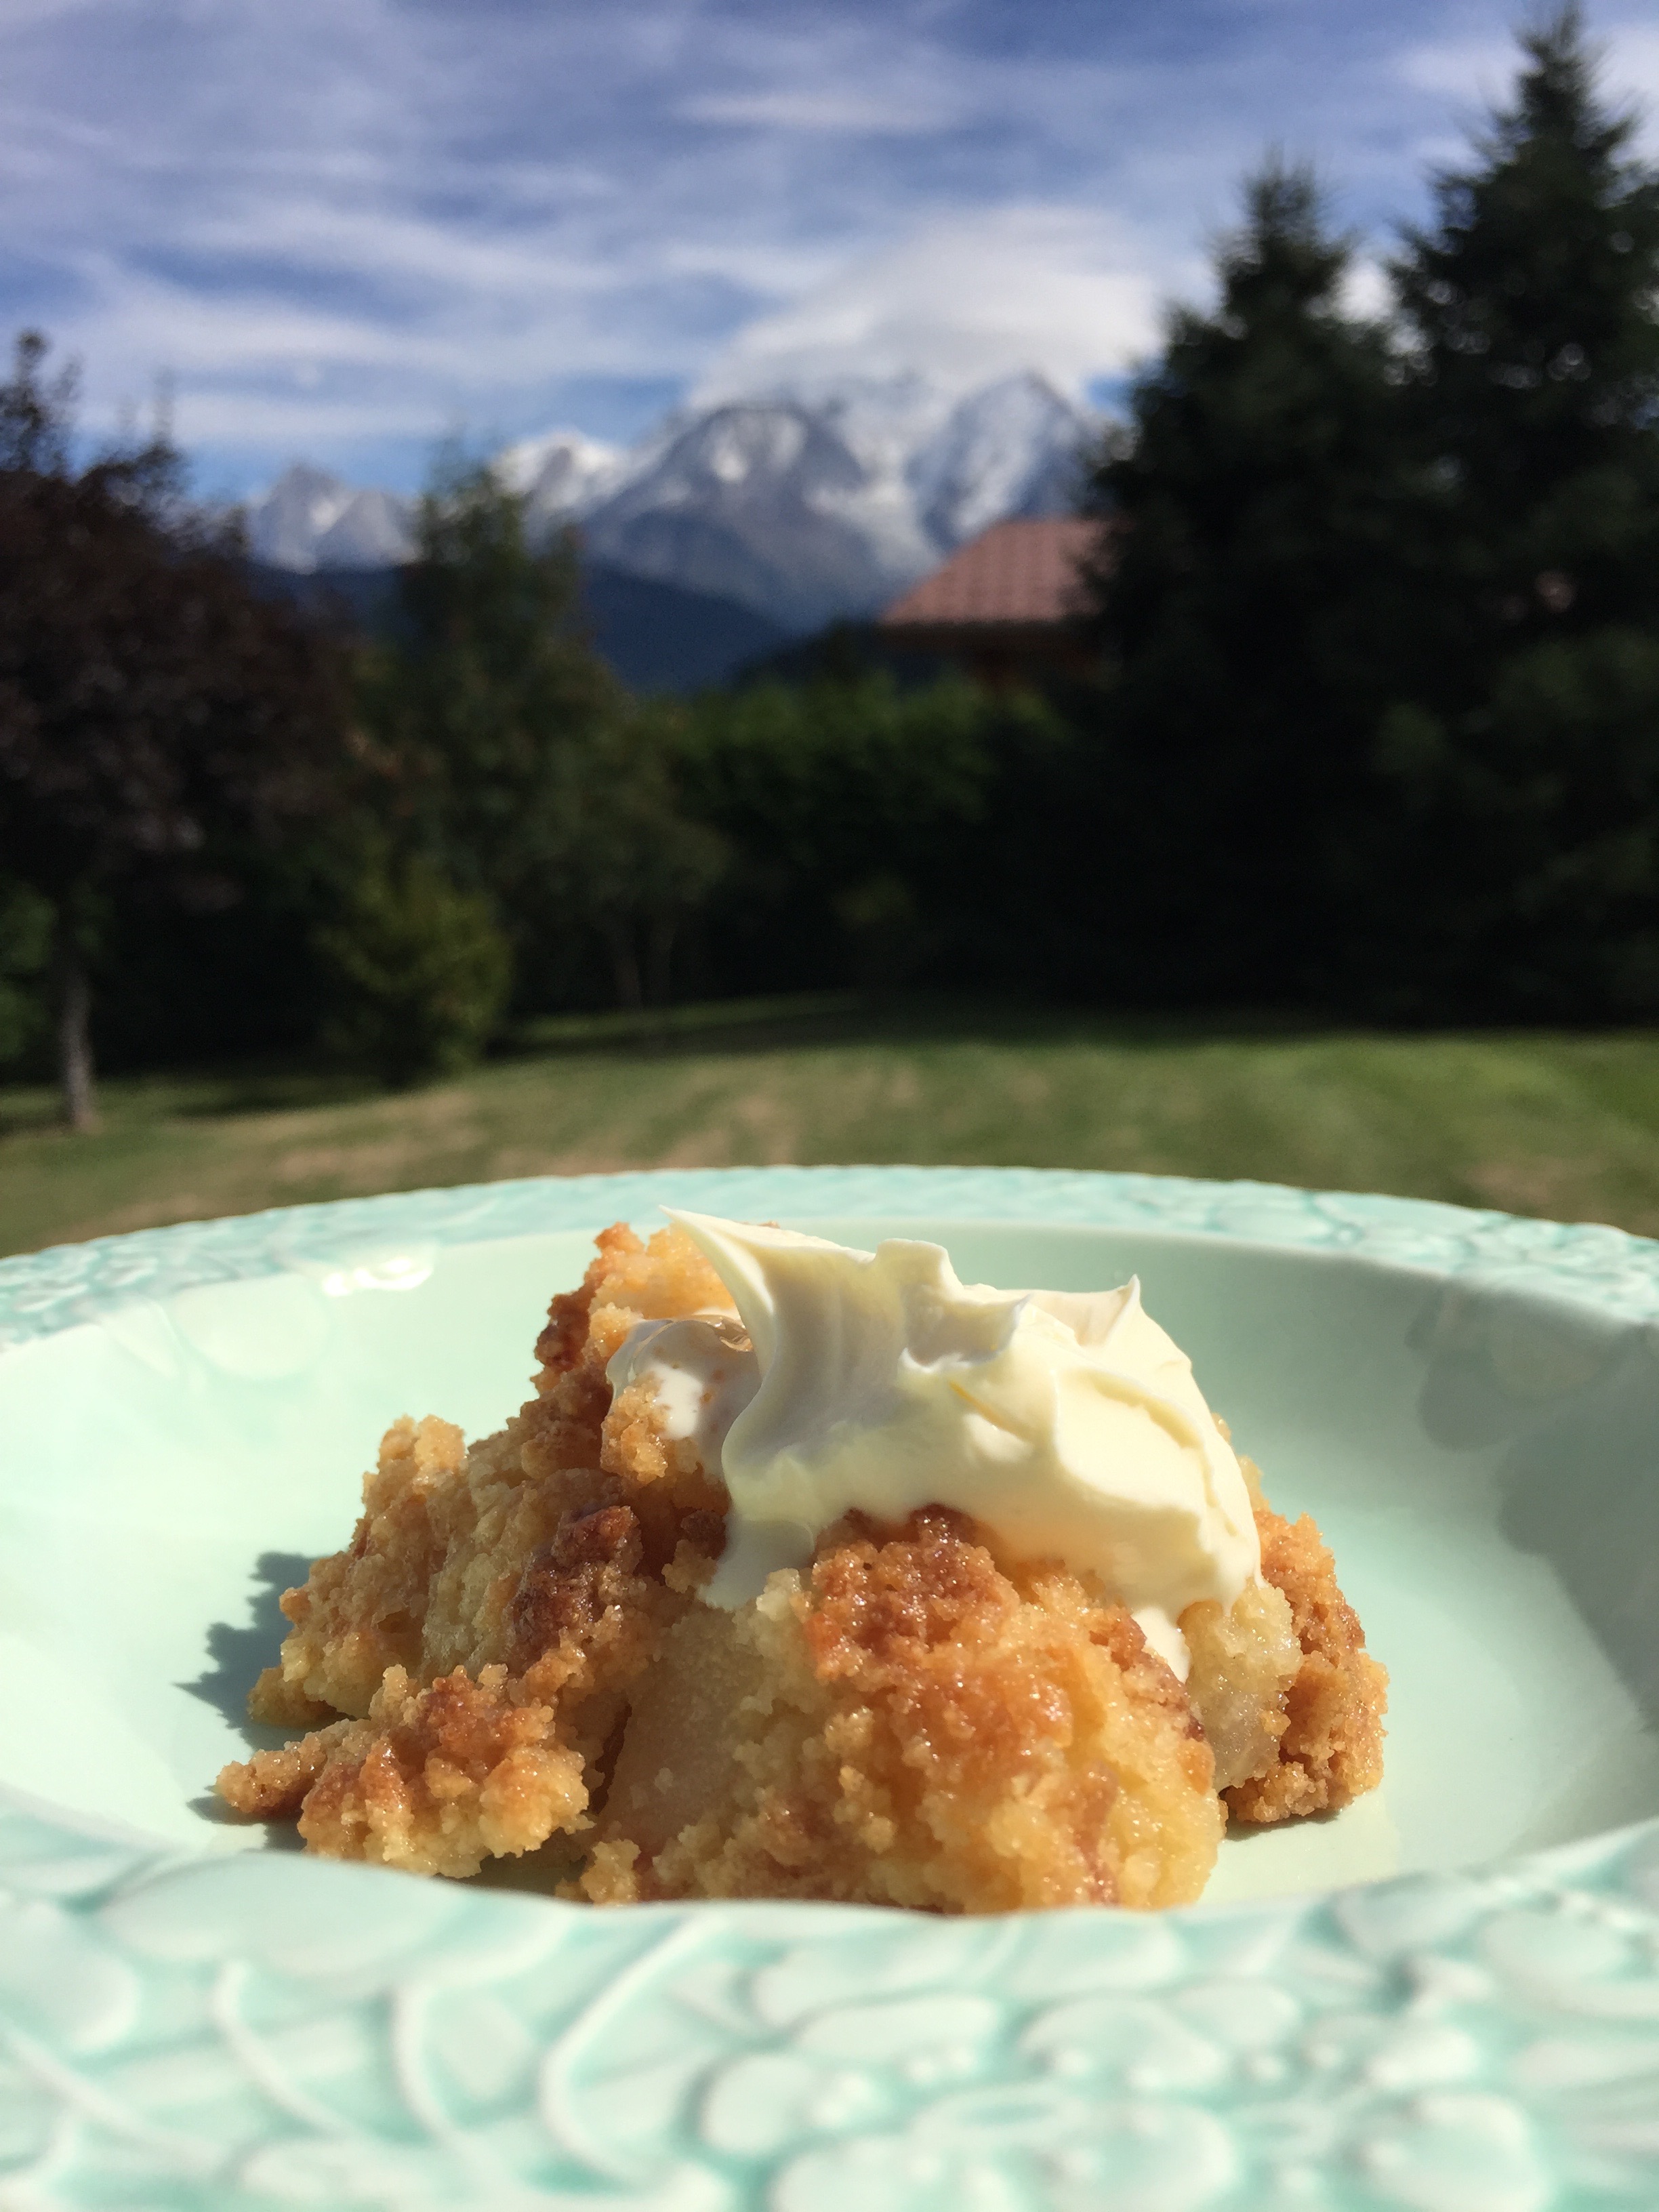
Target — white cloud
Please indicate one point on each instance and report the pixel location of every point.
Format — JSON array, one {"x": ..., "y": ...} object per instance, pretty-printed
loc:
[
  {"x": 965, "y": 298},
  {"x": 1467, "y": 69},
  {"x": 848, "y": 113},
  {"x": 1480, "y": 73},
  {"x": 351, "y": 221},
  {"x": 1633, "y": 69}
]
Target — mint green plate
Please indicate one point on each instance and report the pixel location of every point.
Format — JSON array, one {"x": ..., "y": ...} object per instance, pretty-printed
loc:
[{"x": 1445, "y": 1998}]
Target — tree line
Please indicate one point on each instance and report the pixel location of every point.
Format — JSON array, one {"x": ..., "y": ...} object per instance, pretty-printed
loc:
[
  {"x": 1385, "y": 610},
  {"x": 1372, "y": 726}
]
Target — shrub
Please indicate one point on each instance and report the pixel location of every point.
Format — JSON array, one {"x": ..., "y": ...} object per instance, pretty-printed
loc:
[{"x": 419, "y": 968}]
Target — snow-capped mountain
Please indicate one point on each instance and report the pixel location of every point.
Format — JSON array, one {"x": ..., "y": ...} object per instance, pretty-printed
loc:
[
  {"x": 562, "y": 473},
  {"x": 808, "y": 505},
  {"x": 309, "y": 520},
  {"x": 1012, "y": 450},
  {"x": 802, "y": 505},
  {"x": 763, "y": 501}
]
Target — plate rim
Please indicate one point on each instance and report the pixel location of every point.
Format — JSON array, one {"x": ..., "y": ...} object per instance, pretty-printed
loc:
[
  {"x": 91, "y": 1889},
  {"x": 43, "y": 1292}
]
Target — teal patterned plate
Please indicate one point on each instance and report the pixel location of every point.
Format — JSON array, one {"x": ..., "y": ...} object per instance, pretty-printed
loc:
[{"x": 1445, "y": 1999}]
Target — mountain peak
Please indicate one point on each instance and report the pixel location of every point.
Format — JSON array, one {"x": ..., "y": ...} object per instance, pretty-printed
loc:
[
  {"x": 1013, "y": 449},
  {"x": 310, "y": 519},
  {"x": 561, "y": 472}
]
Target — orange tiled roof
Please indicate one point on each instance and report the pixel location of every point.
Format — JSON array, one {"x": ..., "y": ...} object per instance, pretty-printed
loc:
[{"x": 1014, "y": 572}]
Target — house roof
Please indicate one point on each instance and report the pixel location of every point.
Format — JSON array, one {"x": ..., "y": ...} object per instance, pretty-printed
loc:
[{"x": 1014, "y": 572}]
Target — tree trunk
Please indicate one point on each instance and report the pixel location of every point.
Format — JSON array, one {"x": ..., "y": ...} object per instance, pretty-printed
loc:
[{"x": 74, "y": 1030}]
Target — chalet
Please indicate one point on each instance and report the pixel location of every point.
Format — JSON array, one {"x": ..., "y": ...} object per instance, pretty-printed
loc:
[{"x": 1010, "y": 606}]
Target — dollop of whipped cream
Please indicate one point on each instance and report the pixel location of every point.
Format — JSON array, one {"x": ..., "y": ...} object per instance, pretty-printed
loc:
[{"x": 1067, "y": 1423}]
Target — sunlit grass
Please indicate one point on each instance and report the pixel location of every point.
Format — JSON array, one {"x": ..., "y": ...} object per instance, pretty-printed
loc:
[{"x": 1541, "y": 1122}]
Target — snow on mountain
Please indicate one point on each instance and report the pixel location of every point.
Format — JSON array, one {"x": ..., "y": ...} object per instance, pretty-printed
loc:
[
  {"x": 1011, "y": 450},
  {"x": 802, "y": 504},
  {"x": 561, "y": 473},
  {"x": 285, "y": 524},
  {"x": 309, "y": 520},
  {"x": 763, "y": 501},
  {"x": 882, "y": 420},
  {"x": 374, "y": 530}
]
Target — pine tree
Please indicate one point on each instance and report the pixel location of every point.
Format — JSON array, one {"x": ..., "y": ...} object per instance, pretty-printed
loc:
[
  {"x": 1532, "y": 303},
  {"x": 1526, "y": 745},
  {"x": 1249, "y": 499},
  {"x": 489, "y": 690}
]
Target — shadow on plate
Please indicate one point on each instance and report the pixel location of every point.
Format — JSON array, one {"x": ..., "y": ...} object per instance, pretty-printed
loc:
[
  {"x": 238, "y": 1656},
  {"x": 1574, "y": 1408}
]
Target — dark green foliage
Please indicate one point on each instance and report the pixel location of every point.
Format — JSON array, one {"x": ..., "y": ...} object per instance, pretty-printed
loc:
[
  {"x": 1385, "y": 619},
  {"x": 638, "y": 866},
  {"x": 1525, "y": 743},
  {"x": 487, "y": 699},
  {"x": 26, "y": 921},
  {"x": 156, "y": 720},
  {"x": 1530, "y": 301},
  {"x": 253, "y": 983},
  {"x": 879, "y": 836},
  {"x": 501, "y": 748},
  {"x": 1252, "y": 500},
  {"x": 419, "y": 969},
  {"x": 834, "y": 796}
]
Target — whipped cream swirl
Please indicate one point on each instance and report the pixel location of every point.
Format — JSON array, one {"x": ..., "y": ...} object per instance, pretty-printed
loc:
[{"x": 1067, "y": 1423}]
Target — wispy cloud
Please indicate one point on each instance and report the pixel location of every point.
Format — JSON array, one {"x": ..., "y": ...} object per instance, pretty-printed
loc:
[
  {"x": 1473, "y": 70},
  {"x": 846, "y": 114},
  {"x": 1477, "y": 73}
]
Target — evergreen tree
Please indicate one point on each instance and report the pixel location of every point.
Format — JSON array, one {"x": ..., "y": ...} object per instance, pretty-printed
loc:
[
  {"x": 1531, "y": 300},
  {"x": 487, "y": 694},
  {"x": 1525, "y": 742},
  {"x": 505, "y": 754},
  {"x": 1250, "y": 503}
]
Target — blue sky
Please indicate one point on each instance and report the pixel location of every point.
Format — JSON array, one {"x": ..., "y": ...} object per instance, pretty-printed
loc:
[{"x": 343, "y": 228}]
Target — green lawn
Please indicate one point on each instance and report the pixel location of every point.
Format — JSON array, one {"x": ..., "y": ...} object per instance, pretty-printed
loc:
[{"x": 1543, "y": 1122}]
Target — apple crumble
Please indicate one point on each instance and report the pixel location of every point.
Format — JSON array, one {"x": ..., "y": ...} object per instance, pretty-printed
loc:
[{"x": 587, "y": 1628}]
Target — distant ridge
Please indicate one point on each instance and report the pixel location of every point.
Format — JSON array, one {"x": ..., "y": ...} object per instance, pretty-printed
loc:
[
  {"x": 660, "y": 637},
  {"x": 655, "y": 637}
]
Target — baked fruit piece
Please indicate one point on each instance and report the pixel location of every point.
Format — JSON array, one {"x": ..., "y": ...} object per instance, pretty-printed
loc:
[
  {"x": 910, "y": 1723},
  {"x": 513, "y": 1648},
  {"x": 464, "y": 1663}
]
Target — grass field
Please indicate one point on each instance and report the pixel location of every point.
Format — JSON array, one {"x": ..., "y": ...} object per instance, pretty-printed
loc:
[{"x": 1543, "y": 1122}]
